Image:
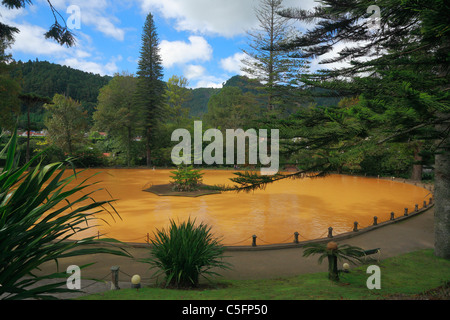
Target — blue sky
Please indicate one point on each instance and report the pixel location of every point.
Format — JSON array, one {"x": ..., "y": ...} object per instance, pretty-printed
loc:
[{"x": 200, "y": 39}]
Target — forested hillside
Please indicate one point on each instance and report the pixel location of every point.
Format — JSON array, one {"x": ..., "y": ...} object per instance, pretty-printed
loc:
[
  {"x": 198, "y": 104},
  {"x": 47, "y": 79}
]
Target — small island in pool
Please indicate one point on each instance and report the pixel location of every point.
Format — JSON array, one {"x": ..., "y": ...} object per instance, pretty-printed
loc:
[
  {"x": 168, "y": 190},
  {"x": 186, "y": 182}
]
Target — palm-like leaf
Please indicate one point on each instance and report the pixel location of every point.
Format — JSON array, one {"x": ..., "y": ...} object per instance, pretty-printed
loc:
[
  {"x": 36, "y": 219},
  {"x": 345, "y": 252}
]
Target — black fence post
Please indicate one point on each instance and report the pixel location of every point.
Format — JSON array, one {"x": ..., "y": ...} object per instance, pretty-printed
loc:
[
  {"x": 330, "y": 232},
  {"x": 296, "y": 237}
]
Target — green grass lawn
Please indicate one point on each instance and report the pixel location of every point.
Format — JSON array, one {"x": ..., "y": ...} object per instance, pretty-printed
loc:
[{"x": 401, "y": 277}]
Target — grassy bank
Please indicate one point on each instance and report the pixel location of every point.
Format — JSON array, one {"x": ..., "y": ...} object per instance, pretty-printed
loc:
[{"x": 402, "y": 277}]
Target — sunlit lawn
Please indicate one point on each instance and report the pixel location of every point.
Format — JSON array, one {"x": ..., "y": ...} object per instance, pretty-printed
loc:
[{"x": 409, "y": 274}]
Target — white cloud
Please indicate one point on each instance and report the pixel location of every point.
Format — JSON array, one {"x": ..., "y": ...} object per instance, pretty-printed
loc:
[
  {"x": 210, "y": 82},
  {"x": 83, "y": 65},
  {"x": 31, "y": 40},
  {"x": 226, "y": 18},
  {"x": 180, "y": 52},
  {"x": 194, "y": 71},
  {"x": 198, "y": 74},
  {"x": 93, "y": 13},
  {"x": 233, "y": 64},
  {"x": 89, "y": 66}
]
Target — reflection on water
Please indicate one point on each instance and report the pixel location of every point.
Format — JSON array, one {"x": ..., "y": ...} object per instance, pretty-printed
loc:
[{"x": 307, "y": 206}]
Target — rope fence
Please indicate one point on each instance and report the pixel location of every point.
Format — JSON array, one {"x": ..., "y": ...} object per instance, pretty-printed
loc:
[{"x": 294, "y": 238}]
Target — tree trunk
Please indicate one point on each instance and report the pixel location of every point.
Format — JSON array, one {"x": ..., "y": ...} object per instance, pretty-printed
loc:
[
  {"x": 442, "y": 196},
  {"x": 417, "y": 169},
  {"x": 149, "y": 152},
  {"x": 129, "y": 141},
  {"x": 332, "y": 268}
]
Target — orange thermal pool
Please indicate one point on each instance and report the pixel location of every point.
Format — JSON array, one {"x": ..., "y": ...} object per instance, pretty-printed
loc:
[{"x": 307, "y": 206}]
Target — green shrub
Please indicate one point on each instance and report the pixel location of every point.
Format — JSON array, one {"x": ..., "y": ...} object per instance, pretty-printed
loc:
[
  {"x": 184, "y": 253},
  {"x": 186, "y": 179}
]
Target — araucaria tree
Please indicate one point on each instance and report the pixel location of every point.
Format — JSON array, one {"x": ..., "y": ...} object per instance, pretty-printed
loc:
[
  {"x": 399, "y": 71},
  {"x": 266, "y": 61},
  {"x": 151, "y": 88},
  {"x": 400, "y": 75}
]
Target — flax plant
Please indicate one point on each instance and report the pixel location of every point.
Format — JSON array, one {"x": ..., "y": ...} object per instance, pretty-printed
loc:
[
  {"x": 37, "y": 220},
  {"x": 185, "y": 252}
]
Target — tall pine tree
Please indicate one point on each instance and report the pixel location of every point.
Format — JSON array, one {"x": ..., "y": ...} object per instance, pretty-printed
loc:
[
  {"x": 150, "y": 89},
  {"x": 266, "y": 61}
]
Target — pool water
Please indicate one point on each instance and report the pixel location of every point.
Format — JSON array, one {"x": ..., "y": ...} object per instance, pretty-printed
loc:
[{"x": 307, "y": 206}]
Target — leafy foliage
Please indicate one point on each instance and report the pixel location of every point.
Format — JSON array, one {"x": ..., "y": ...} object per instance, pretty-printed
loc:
[
  {"x": 176, "y": 95},
  {"x": 67, "y": 123},
  {"x": 118, "y": 115},
  {"x": 232, "y": 109},
  {"x": 38, "y": 213},
  {"x": 185, "y": 252}
]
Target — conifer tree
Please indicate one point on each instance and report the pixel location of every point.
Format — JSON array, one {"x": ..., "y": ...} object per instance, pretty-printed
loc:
[
  {"x": 266, "y": 61},
  {"x": 400, "y": 73},
  {"x": 150, "y": 89}
]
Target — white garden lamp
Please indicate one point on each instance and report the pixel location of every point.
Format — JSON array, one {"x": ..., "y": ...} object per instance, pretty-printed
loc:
[{"x": 136, "y": 281}]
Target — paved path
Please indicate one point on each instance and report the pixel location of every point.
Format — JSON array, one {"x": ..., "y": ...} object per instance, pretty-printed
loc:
[{"x": 409, "y": 235}]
